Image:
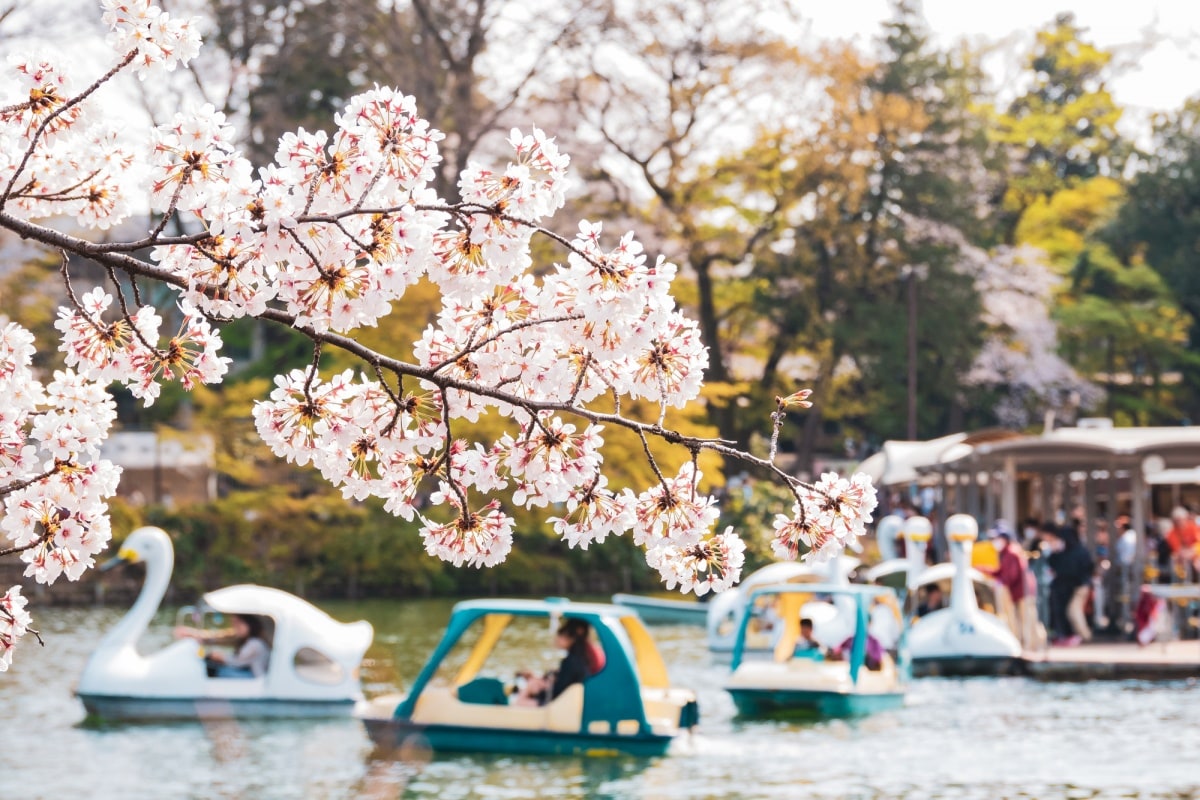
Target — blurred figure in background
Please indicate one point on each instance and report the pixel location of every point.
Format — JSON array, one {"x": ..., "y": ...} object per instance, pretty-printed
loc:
[
  {"x": 1181, "y": 542},
  {"x": 1073, "y": 567},
  {"x": 1012, "y": 572},
  {"x": 932, "y": 601}
]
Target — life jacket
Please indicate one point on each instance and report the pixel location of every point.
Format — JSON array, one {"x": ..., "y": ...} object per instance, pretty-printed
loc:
[{"x": 594, "y": 656}]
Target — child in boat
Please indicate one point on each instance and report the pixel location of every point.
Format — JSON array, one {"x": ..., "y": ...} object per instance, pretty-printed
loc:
[
  {"x": 582, "y": 660},
  {"x": 251, "y": 653},
  {"x": 806, "y": 644}
]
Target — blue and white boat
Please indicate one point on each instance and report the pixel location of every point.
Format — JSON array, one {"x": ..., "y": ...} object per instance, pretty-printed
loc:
[
  {"x": 728, "y": 610},
  {"x": 628, "y": 707},
  {"x": 830, "y": 679}
]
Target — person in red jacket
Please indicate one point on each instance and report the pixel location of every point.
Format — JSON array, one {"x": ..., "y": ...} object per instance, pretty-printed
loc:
[{"x": 1012, "y": 573}]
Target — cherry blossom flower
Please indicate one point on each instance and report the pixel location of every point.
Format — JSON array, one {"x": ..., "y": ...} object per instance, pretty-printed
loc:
[
  {"x": 159, "y": 40},
  {"x": 14, "y": 622},
  {"x": 830, "y": 516},
  {"x": 674, "y": 510},
  {"x": 594, "y": 512}
]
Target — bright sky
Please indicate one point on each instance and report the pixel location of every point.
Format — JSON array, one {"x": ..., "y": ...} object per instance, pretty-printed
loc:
[{"x": 1158, "y": 78}]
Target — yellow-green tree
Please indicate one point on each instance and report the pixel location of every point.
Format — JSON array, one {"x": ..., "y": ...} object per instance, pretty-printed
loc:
[{"x": 1062, "y": 130}]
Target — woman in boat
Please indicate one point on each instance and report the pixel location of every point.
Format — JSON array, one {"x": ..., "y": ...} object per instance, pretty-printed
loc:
[
  {"x": 582, "y": 660},
  {"x": 251, "y": 653}
]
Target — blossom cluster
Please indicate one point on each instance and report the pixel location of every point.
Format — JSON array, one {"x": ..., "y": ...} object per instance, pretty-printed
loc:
[
  {"x": 160, "y": 40},
  {"x": 127, "y": 350},
  {"x": 828, "y": 517},
  {"x": 50, "y": 435},
  {"x": 711, "y": 565},
  {"x": 14, "y": 622}
]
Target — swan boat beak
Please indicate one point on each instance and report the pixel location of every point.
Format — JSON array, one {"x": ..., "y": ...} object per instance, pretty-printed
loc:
[{"x": 123, "y": 556}]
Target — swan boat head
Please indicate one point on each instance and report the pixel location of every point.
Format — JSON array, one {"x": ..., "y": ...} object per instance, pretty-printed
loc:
[
  {"x": 963, "y": 629},
  {"x": 116, "y": 661}
]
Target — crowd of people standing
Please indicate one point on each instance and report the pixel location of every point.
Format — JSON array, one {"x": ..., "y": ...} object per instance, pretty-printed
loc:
[{"x": 1074, "y": 587}]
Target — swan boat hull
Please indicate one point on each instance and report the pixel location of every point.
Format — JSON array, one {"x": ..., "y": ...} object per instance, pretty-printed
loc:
[
  {"x": 811, "y": 703},
  {"x": 966, "y": 666},
  {"x": 119, "y": 708},
  {"x": 657, "y": 611},
  {"x": 394, "y": 734}
]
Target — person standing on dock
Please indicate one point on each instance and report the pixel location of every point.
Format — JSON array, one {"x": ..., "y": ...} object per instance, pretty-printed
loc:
[
  {"x": 1181, "y": 541},
  {"x": 1012, "y": 572},
  {"x": 1072, "y": 566}
]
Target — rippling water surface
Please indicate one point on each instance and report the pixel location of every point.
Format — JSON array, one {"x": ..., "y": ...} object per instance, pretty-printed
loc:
[{"x": 976, "y": 739}]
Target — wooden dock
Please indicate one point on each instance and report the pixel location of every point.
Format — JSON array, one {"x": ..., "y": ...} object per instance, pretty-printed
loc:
[{"x": 1176, "y": 660}]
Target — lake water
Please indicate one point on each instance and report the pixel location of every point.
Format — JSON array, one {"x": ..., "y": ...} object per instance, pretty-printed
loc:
[{"x": 980, "y": 739}]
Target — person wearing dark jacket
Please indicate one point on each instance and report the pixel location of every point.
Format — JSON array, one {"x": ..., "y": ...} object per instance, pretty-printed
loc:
[
  {"x": 581, "y": 661},
  {"x": 1072, "y": 566}
]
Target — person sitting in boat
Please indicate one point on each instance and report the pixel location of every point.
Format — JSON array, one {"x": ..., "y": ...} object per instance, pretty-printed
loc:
[
  {"x": 933, "y": 600},
  {"x": 251, "y": 653},
  {"x": 873, "y": 658},
  {"x": 582, "y": 660}
]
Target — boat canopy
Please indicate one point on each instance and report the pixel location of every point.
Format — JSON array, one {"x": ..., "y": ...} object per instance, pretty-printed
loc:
[
  {"x": 632, "y": 660},
  {"x": 313, "y": 646},
  {"x": 794, "y": 596},
  {"x": 790, "y": 571}
]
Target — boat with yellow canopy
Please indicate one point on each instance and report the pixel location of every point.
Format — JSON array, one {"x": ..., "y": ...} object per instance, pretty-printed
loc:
[
  {"x": 628, "y": 706},
  {"x": 812, "y": 674}
]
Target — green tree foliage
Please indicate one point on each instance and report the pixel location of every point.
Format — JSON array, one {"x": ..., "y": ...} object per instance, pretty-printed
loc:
[
  {"x": 1159, "y": 224},
  {"x": 799, "y": 240},
  {"x": 1118, "y": 321},
  {"x": 1063, "y": 129}
]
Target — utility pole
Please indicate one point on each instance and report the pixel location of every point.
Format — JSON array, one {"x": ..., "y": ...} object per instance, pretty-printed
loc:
[{"x": 911, "y": 280}]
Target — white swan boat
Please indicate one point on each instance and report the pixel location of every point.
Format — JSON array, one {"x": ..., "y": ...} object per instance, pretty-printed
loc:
[
  {"x": 313, "y": 667},
  {"x": 726, "y": 611},
  {"x": 962, "y": 639}
]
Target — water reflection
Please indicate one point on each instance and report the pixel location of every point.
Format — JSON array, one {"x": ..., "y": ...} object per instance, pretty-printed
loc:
[{"x": 969, "y": 740}]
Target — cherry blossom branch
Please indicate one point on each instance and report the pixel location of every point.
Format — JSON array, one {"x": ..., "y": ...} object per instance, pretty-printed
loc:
[
  {"x": 17, "y": 486},
  {"x": 134, "y": 266},
  {"x": 22, "y": 548},
  {"x": 58, "y": 195},
  {"x": 36, "y": 633},
  {"x": 74, "y": 101},
  {"x": 447, "y": 457},
  {"x": 490, "y": 349},
  {"x": 518, "y": 326}
]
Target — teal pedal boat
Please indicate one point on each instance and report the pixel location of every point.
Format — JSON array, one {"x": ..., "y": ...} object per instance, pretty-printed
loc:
[
  {"x": 455, "y": 705},
  {"x": 813, "y": 677}
]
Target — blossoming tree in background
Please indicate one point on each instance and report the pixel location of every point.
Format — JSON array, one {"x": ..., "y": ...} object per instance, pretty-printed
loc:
[{"x": 324, "y": 240}]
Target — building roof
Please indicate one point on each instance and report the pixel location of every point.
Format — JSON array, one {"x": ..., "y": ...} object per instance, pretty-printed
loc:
[
  {"x": 1085, "y": 448},
  {"x": 900, "y": 462}
]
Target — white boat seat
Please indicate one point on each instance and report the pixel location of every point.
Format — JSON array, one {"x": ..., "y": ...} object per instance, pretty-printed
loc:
[
  {"x": 663, "y": 707},
  {"x": 440, "y": 706}
]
